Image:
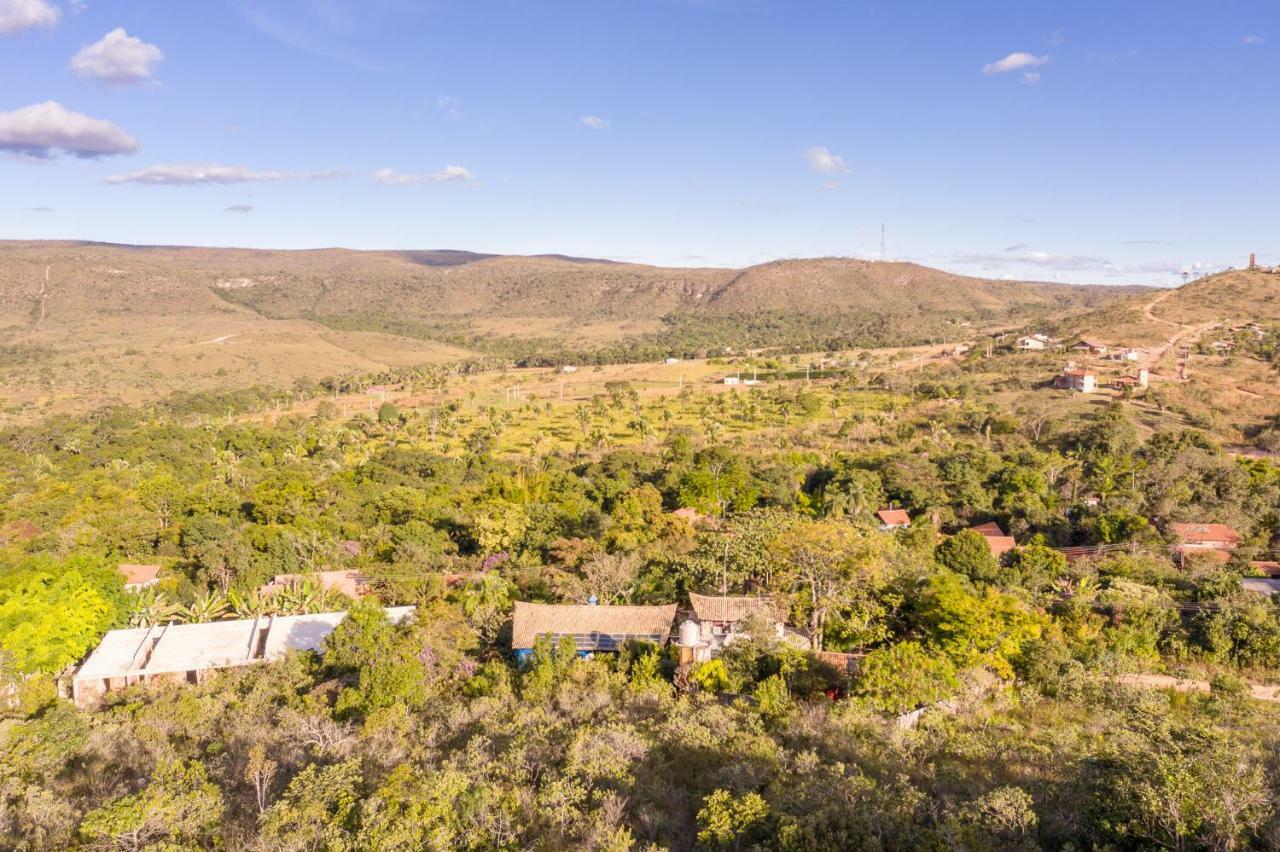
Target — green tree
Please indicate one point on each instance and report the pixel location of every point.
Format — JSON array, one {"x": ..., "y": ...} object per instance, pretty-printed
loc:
[
  {"x": 179, "y": 808},
  {"x": 726, "y": 821},
  {"x": 967, "y": 553},
  {"x": 52, "y": 613},
  {"x": 904, "y": 676}
]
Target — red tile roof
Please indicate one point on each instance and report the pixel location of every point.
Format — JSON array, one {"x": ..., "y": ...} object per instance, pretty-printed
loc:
[
  {"x": 997, "y": 540},
  {"x": 716, "y": 608},
  {"x": 1206, "y": 534},
  {"x": 138, "y": 575},
  {"x": 894, "y": 517}
]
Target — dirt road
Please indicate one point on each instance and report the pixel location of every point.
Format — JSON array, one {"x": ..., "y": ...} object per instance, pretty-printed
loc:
[{"x": 1155, "y": 681}]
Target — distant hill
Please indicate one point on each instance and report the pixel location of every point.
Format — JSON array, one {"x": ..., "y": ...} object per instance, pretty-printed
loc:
[
  {"x": 107, "y": 321},
  {"x": 1231, "y": 297}
]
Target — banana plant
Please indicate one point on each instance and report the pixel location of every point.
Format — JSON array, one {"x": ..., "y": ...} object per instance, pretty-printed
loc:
[
  {"x": 208, "y": 607},
  {"x": 150, "y": 607}
]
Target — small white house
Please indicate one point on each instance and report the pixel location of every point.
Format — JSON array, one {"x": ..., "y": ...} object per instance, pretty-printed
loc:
[
  {"x": 1035, "y": 342},
  {"x": 568, "y": 368},
  {"x": 731, "y": 380}
]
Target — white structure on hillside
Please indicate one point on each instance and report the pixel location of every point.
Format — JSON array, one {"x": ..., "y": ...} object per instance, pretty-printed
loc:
[
  {"x": 1036, "y": 342},
  {"x": 185, "y": 653}
]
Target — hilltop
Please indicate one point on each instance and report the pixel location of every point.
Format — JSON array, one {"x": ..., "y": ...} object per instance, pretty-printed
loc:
[{"x": 92, "y": 322}]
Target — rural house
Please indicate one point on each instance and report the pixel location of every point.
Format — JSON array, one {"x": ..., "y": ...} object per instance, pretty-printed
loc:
[
  {"x": 350, "y": 583},
  {"x": 591, "y": 627},
  {"x": 1218, "y": 540},
  {"x": 1076, "y": 379},
  {"x": 1092, "y": 347},
  {"x": 717, "y": 620},
  {"x": 893, "y": 519},
  {"x": 1035, "y": 342},
  {"x": 138, "y": 577},
  {"x": 998, "y": 540},
  {"x": 186, "y": 653}
]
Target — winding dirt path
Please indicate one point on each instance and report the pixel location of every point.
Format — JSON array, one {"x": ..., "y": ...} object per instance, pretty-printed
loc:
[
  {"x": 1157, "y": 681},
  {"x": 40, "y": 303},
  {"x": 1181, "y": 335}
]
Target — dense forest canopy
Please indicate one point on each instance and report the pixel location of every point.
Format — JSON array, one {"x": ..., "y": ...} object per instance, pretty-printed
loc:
[{"x": 429, "y": 734}]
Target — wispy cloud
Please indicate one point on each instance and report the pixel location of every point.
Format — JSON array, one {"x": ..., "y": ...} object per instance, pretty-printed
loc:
[
  {"x": 318, "y": 39},
  {"x": 449, "y": 106},
  {"x": 40, "y": 209},
  {"x": 822, "y": 160},
  {"x": 117, "y": 59},
  {"x": 1016, "y": 61},
  {"x": 186, "y": 174},
  {"x": 39, "y": 131},
  {"x": 239, "y": 208},
  {"x": 18, "y": 15},
  {"x": 1253, "y": 40},
  {"x": 1023, "y": 256},
  {"x": 595, "y": 122},
  {"x": 1031, "y": 77},
  {"x": 449, "y": 174}
]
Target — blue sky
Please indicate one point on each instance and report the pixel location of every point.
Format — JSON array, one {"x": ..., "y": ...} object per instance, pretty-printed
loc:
[{"x": 1085, "y": 141}]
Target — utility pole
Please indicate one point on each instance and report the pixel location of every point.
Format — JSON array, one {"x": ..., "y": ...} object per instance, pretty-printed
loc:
[{"x": 883, "y": 256}]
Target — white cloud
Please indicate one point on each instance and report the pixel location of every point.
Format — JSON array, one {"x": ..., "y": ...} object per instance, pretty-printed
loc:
[
  {"x": 1014, "y": 62},
  {"x": 18, "y": 15},
  {"x": 118, "y": 59},
  {"x": 1022, "y": 256},
  {"x": 449, "y": 106},
  {"x": 1253, "y": 39},
  {"x": 192, "y": 174},
  {"x": 449, "y": 174},
  {"x": 820, "y": 159},
  {"x": 240, "y": 208},
  {"x": 38, "y": 131},
  {"x": 595, "y": 122},
  {"x": 1031, "y": 77}
]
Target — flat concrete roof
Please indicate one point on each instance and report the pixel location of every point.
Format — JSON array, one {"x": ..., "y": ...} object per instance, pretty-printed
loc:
[
  {"x": 308, "y": 632},
  {"x": 114, "y": 654},
  {"x": 217, "y": 644},
  {"x": 184, "y": 647}
]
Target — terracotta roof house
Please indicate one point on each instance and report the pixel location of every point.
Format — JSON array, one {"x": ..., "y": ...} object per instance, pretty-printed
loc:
[
  {"x": 730, "y": 610},
  {"x": 1269, "y": 569},
  {"x": 138, "y": 576},
  {"x": 998, "y": 541},
  {"x": 592, "y": 628},
  {"x": 1217, "y": 540},
  {"x": 893, "y": 519},
  {"x": 351, "y": 583},
  {"x": 716, "y": 621},
  {"x": 1076, "y": 379}
]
